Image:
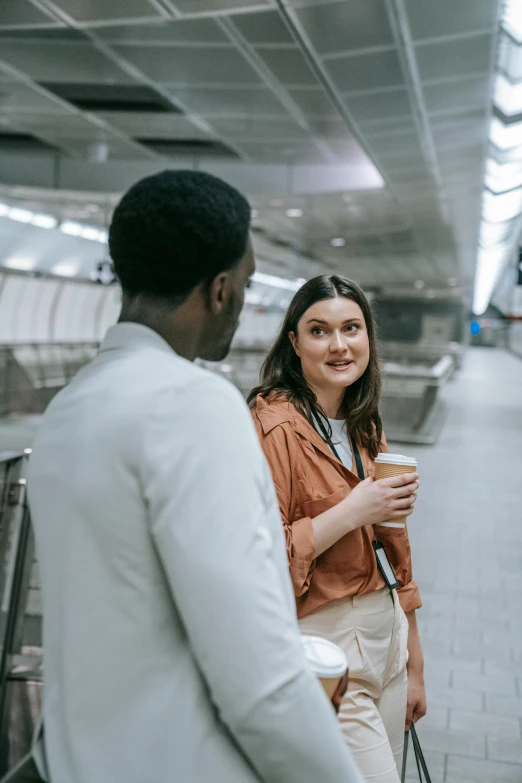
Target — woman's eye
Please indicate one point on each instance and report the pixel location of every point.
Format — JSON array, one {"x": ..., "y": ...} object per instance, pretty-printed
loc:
[
  {"x": 351, "y": 328},
  {"x": 317, "y": 331}
]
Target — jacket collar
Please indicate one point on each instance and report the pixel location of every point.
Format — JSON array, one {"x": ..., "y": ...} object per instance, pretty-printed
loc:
[{"x": 274, "y": 412}]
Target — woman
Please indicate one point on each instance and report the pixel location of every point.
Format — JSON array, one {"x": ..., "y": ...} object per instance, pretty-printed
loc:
[{"x": 316, "y": 413}]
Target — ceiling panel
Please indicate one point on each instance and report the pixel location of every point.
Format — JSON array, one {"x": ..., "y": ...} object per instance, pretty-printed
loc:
[
  {"x": 44, "y": 34},
  {"x": 226, "y": 102},
  {"x": 386, "y": 127},
  {"x": 64, "y": 125},
  {"x": 466, "y": 134},
  {"x": 205, "y": 6},
  {"x": 263, "y": 28},
  {"x": 183, "y": 31},
  {"x": 186, "y": 66},
  {"x": 457, "y": 120},
  {"x": 328, "y": 127},
  {"x": 454, "y": 96},
  {"x": 391, "y": 144},
  {"x": 471, "y": 154},
  {"x": 257, "y": 127},
  {"x": 448, "y": 17},
  {"x": 117, "y": 149},
  {"x": 348, "y": 151},
  {"x": 456, "y": 57},
  {"x": 153, "y": 126},
  {"x": 64, "y": 62},
  {"x": 101, "y": 11},
  {"x": 19, "y": 97},
  {"x": 379, "y": 106},
  {"x": 21, "y": 13},
  {"x": 337, "y": 27},
  {"x": 313, "y": 102},
  {"x": 289, "y": 66},
  {"x": 227, "y": 108},
  {"x": 276, "y": 152},
  {"x": 366, "y": 72}
]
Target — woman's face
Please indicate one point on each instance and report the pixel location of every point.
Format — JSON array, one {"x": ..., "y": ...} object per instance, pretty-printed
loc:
[{"x": 332, "y": 343}]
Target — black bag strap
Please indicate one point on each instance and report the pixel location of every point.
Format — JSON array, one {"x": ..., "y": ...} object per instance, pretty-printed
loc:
[
  {"x": 419, "y": 755},
  {"x": 422, "y": 769},
  {"x": 405, "y": 756}
]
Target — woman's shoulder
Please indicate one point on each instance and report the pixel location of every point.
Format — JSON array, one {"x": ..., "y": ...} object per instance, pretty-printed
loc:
[{"x": 272, "y": 411}]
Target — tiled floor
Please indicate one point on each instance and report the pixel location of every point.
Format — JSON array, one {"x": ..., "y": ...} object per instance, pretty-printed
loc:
[{"x": 467, "y": 546}]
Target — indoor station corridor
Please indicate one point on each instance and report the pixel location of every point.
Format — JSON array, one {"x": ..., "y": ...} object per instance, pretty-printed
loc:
[
  {"x": 467, "y": 541},
  {"x": 236, "y": 238}
]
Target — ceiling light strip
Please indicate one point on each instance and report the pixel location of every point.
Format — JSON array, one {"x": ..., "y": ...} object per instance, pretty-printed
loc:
[{"x": 502, "y": 199}]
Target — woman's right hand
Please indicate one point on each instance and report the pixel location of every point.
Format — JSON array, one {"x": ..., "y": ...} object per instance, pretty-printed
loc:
[{"x": 372, "y": 502}]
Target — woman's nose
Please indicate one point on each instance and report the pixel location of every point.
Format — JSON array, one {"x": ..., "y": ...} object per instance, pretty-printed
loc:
[{"x": 336, "y": 342}]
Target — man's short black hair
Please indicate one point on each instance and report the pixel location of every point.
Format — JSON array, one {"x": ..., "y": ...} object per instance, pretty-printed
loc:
[{"x": 176, "y": 229}]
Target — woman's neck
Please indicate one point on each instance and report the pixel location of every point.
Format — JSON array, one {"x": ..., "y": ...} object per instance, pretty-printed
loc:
[{"x": 329, "y": 400}]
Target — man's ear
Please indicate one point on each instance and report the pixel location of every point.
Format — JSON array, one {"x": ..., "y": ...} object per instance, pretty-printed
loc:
[{"x": 217, "y": 292}]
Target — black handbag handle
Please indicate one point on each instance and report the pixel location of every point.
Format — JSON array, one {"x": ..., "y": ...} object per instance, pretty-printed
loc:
[{"x": 422, "y": 769}]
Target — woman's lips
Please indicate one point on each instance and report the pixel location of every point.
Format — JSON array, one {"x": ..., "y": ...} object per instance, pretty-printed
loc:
[{"x": 340, "y": 365}]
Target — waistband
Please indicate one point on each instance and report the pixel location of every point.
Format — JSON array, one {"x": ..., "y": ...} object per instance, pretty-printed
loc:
[{"x": 378, "y": 601}]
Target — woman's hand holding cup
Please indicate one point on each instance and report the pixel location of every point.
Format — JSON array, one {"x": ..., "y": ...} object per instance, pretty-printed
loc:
[{"x": 386, "y": 500}]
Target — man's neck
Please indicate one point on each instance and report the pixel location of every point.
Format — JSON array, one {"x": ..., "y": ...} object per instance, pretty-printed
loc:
[{"x": 176, "y": 325}]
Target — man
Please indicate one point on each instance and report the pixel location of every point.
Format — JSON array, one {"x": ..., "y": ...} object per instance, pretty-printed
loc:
[{"x": 172, "y": 652}]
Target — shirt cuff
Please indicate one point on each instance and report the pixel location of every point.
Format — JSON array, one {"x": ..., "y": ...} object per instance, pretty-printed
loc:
[
  {"x": 409, "y": 596},
  {"x": 301, "y": 554}
]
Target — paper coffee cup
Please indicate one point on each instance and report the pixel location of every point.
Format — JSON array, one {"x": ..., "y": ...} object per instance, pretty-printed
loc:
[
  {"x": 327, "y": 661},
  {"x": 388, "y": 465}
]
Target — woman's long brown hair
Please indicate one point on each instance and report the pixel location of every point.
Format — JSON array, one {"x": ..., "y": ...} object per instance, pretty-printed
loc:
[{"x": 282, "y": 376}]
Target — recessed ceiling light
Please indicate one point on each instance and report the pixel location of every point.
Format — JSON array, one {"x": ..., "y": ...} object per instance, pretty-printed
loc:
[
  {"x": 44, "y": 221},
  {"x": 503, "y": 136},
  {"x": 71, "y": 228},
  {"x": 430, "y": 294},
  {"x": 419, "y": 284},
  {"x": 498, "y": 208},
  {"x": 338, "y": 242},
  {"x": 490, "y": 263},
  {"x": 294, "y": 213},
  {"x": 90, "y": 232},
  {"x": 20, "y": 262},
  {"x": 453, "y": 281},
  {"x": 508, "y": 96},
  {"x": 66, "y": 268},
  {"x": 512, "y": 19},
  {"x": 21, "y": 215}
]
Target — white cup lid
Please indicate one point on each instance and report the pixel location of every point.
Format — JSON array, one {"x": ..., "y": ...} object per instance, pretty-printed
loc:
[
  {"x": 395, "y": 459},
  {"x": 326, "y": 659}
]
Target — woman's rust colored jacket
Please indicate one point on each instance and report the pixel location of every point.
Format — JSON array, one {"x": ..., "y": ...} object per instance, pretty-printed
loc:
[{"x": 309, "y": 479}]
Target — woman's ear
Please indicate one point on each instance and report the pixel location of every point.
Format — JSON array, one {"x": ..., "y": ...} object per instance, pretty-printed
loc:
[{"x": 295, "y": 343}]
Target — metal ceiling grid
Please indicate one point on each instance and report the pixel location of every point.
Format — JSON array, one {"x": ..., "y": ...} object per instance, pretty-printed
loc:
[{"x": 280, "y": 81}]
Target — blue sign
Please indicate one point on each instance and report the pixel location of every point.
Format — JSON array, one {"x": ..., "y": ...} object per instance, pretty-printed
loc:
[{"x": 474, "y": 327}]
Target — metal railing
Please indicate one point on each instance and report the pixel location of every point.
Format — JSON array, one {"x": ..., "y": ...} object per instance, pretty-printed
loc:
[{"x": 20, "y": 617}]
